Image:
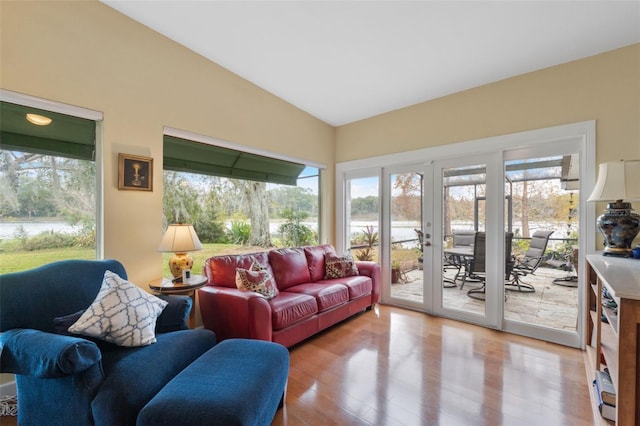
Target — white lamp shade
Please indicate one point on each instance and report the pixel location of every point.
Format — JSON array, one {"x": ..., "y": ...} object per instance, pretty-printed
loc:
[
  {"x": 180, "y": 238},
  {"x": 617, "y": 180}
]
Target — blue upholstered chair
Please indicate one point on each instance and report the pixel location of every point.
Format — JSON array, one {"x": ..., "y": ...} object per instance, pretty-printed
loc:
[{"x": 70, "y": 380}]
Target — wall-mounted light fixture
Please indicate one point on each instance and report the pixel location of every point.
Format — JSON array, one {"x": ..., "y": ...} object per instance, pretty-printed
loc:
[{"x": 38, "y": 120}]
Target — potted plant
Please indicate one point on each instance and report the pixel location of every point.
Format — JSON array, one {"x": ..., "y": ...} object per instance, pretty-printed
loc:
[{"x": 396, "y": 272}]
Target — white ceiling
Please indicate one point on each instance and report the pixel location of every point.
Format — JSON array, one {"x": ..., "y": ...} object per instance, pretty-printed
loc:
[{"x": 342, "y": 61}]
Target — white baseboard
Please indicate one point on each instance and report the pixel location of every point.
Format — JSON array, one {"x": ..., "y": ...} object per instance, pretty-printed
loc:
[{"x": 8, "y": 389}]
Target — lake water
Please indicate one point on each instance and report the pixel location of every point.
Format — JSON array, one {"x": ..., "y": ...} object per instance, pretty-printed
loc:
[
  {"x": 8, "y": 229},
  {"x": 401, "y": 231}
]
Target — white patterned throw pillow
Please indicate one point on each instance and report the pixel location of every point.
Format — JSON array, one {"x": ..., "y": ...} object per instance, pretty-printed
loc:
[{"x": 122, "y": 313}]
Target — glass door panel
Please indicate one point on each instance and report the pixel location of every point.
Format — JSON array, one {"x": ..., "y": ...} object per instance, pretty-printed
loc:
[
  {"x": 464, "y": 238},
  {"x": 363, "y": 218},
  {"x": 542, "y": 290},
  {"x": 406, "y": 237}
]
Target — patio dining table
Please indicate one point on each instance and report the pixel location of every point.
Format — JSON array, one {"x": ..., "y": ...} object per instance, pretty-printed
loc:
[{"x": 464, "y": 251}]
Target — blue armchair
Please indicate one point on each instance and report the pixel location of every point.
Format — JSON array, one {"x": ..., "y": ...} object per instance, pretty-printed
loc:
[{"x": 70, "y": 380}]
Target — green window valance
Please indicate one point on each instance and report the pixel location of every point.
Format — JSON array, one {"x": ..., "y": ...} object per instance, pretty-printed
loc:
[{"x": 183, "y": 155}]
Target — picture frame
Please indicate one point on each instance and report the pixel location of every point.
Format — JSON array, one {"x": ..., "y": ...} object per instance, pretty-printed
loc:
[{"x": 135, "y": 172}]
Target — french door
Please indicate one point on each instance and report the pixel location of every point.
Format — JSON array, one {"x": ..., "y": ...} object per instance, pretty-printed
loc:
[
  {"x": 454, "y": 222},
  {"x": 468, "y": 240},
  {"x": 406, "y": 236},
  {"x": 423, "y": 206}
]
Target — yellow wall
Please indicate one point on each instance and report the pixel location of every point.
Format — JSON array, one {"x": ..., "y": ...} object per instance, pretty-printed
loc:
[
  {"x": 605, "y": 88},
  {"x": 86, "y": 54}
]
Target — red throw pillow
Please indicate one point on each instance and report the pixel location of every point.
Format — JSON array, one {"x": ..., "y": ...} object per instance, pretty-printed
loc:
[
  {"x": 339, "y": 266},
  {"x": 256, "y": 279}
]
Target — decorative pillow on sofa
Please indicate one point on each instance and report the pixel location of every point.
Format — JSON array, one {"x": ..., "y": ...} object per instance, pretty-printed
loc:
[
  {"x": 339, "y": 266},
  {"x": 122, "y": 313},
  {"x": 256, "y": 279}
]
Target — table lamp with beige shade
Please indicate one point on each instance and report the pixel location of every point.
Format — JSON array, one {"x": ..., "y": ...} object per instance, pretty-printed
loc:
[{"x": 180, "y": 239}]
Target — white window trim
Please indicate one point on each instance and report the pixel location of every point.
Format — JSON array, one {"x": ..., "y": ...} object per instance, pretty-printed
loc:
[{"x": 53, "y": 106}]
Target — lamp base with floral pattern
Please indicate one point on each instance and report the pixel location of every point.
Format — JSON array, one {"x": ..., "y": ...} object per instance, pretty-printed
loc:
[
  {"x": 618, "y": 225},
  {"x": 179, "y": 262}
]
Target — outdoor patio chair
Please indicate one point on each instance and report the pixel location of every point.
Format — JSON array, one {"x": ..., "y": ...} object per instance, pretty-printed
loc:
[
  {"x": 463, "y": 238},
  {"x": 479, "y": 292},
  {"x": 532, "y": 259},
  {"x": 474, "y": 267}
]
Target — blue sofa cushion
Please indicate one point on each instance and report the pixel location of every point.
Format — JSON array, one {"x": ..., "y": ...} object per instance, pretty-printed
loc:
[
  {"x": 45, "y": 355},
  {"x": 238, "y": 382},
  {"x": 175, "y": 315},
  {"x": 61, "y": 326}
]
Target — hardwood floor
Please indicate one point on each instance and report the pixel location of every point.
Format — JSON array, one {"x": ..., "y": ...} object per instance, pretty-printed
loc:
[
  {"x": 392, "y": 366},
  {"x": 8, "y": 421}
]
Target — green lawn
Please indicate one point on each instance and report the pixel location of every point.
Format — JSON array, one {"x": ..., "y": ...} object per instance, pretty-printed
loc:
[{"x": 21, "y": 260}]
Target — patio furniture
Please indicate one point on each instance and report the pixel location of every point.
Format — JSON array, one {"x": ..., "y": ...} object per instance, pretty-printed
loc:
[
  {"x": 463, "y": 238},
  {"x": 474, "y": 266},
  {"x": 454, "y": 259},
  {"x": 532, "y": 259},
  {"x": 478, "y": 293},
  {"x": 568, "y": 264}
]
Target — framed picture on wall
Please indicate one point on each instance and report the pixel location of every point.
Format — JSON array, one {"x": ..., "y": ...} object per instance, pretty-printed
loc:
[{"x": 135, "y": 172}]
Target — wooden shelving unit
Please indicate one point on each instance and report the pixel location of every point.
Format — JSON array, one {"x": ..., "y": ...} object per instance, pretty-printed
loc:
[{"x": 615, "y": 344}]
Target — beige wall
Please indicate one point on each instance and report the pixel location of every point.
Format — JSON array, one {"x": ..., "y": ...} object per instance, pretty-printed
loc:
[
  {"x": 86, "y": 54},
  {"x": 605, "y": 88}
]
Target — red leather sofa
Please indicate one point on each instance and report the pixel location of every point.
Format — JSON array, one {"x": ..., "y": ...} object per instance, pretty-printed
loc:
[{"x": 306, "y": 303}]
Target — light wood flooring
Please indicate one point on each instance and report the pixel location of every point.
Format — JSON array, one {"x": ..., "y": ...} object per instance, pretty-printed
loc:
[{"x": 392, "y": 366}]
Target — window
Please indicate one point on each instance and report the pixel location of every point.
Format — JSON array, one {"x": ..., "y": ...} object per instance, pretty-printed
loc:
[
  {"x": 238, "y": 200},
  {"x": 47, "y": 187}
]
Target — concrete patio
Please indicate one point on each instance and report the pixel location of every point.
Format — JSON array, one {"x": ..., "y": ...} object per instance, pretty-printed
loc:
[{"x": 550, "y": 305}]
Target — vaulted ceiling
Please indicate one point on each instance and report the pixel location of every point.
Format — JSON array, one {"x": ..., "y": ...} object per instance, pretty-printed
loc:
[{"x": 343, "y": 61}]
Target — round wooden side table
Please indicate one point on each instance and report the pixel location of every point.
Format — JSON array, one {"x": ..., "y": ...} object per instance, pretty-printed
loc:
[{"x": 187, "y": 288}]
